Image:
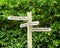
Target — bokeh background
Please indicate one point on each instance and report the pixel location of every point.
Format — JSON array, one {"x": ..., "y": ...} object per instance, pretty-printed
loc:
[{"x": 47, "y": 12}]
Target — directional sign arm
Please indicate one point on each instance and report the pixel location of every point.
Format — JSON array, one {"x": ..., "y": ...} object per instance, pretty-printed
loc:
[
  {"x": 32, "y": 23},
  {"x": 23, "y": 25},
  {"x": 41, "y": 29},
  {"x": 17, "y": 18}
]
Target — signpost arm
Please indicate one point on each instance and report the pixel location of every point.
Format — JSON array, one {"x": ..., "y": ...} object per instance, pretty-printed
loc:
[{"x": 29, "y": 30}]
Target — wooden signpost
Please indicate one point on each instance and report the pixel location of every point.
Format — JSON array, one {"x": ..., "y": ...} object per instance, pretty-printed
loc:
[{"x": 29, "y": 25}]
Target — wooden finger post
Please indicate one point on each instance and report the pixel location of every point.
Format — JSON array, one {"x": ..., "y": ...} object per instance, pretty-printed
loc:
[{"x": 29, "y": 25}]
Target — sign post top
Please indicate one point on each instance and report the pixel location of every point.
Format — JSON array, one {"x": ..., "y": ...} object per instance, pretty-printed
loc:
[{"x": 29, "y": 13}]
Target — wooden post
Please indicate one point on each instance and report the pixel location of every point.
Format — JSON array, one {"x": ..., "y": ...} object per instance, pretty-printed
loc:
[{"x": 29, "y": 30}]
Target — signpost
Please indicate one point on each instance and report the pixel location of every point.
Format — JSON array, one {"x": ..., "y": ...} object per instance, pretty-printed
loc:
[{"x": 29, "y": 25}]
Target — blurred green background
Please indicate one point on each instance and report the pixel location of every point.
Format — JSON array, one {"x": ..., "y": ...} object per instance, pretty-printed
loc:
[{"x": 47, "y": 12}]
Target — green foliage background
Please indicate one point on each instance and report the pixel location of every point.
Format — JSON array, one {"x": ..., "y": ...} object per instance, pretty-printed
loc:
[{"x": 47, "y": 12}]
